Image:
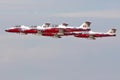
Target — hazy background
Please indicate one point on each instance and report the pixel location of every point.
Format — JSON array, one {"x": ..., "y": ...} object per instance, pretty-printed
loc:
[{"x": 30, "y": 57}]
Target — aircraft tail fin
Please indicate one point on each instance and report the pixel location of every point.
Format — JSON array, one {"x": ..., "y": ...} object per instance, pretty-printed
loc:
[
  {"x": 64, "y": 24},
  {"x": 85, "y": 25},
  {"x": 46, "y": 25},
  {"x": 112, "y": 31}
]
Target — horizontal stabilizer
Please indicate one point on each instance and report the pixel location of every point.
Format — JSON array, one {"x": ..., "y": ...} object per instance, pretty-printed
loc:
[{"x": 64, "y": 24}]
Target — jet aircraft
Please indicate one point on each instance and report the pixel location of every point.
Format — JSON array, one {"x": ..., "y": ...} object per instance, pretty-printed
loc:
[
  {"x": 18, "y": 29},
  {"x": 93, "y": 35}
]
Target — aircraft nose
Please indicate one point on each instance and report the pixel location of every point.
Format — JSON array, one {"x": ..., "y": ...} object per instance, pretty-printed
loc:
[{"x": 6, "y": 30}]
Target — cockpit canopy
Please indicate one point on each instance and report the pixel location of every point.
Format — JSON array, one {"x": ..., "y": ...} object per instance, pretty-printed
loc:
[
  {"x": 17, "y": 26},
  {"x": 34, "y": 27}
]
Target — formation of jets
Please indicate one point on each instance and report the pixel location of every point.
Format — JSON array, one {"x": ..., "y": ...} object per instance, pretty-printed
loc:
[{"x": 63, "y": 29}]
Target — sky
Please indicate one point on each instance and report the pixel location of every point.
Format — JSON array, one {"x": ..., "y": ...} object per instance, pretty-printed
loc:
[{"x": 32, "y": 57}]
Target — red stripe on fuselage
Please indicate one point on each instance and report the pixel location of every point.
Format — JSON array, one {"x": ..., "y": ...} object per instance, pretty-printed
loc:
[
  {"x": 94, "y": 35},
  {"x": 16, "y": 30}
]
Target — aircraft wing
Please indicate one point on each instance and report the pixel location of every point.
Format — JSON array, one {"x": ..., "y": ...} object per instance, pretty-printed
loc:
[
  {"x": 57, "y": 36},
  {"x": 60, "y": 33},
  {"x": 39, "y": 32},
  {"x": 60, "y": 30},
  {"x": 91, "y": 37}
]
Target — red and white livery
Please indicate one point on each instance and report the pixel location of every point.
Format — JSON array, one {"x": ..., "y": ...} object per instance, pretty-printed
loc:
[
  {"x": 18, "y": 29},
  {"x": 57, "y": 30},
  {"x": 94, "y": 35}
]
